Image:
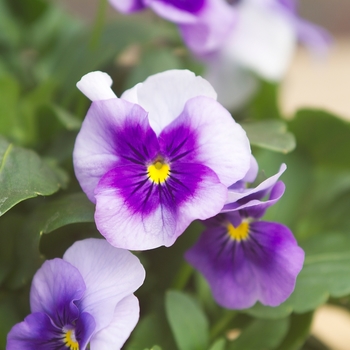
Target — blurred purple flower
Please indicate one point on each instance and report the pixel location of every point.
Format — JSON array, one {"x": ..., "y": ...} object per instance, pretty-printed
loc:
[
  {"x": 158, "y": 158},
  {"x": 246, "y": 260},
  {"x": 86, "y": 297}
]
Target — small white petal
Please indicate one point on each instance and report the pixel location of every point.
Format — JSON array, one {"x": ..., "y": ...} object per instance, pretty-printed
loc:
[{"x": 96, "y": 86}]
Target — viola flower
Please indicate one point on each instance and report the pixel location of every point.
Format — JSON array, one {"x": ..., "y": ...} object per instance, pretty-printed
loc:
[
  {"x": 246, "y": 260},
  {"x": 84, "y": 298},
  {"x": 202, "y": 23},
  {"x": 157, "y": 158}
]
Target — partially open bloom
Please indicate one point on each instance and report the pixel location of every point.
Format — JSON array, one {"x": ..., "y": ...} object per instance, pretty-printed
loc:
[
  {"x": 246, "y": 260},
  {"x": 84, "y": 298},
  {"x": 158, "y": 158}
]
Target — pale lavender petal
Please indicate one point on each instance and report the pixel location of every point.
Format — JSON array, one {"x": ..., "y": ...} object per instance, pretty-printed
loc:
[
  {"x": 261, "y": 268},
  {"x": 56, "y": 287},
  {"x": 135, "y": 213},
  {"x": 252, "y": 173},
  {"x": 258, "y": 192},
  {"x": 110, "y": 275},
  {"x": 211, "y": 29},
  {"x": 234, "y": 84},
  {"x": 96, "y": 86},
  {"x": 94, "y": 151},
  {"x": 220, "y": 143},
  {"x": 127, "y": 6},
  {"x": 263, "y": 40},
  {"x": 165, "y": 94},
  {"x": 126, "y": 315}
]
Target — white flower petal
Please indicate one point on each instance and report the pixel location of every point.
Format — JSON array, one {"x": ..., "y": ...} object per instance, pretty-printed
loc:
[
  {"x": 125, "y": 318},
  {"x": 110, "y": 275},
  {"x": 96, "y": 86}
]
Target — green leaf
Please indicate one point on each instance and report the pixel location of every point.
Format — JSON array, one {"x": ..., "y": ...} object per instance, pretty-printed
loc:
[
  {"x": 298, "y": 331},
  {"x": 325, "y": 274},
  {"x": 23, "y": 175},
  {"x": 187, "y": 321},
  {"x": 323, "y": 137},
  {"x": 261, "y": 334},
  {"x": 220, "y": 344},
  {"x": 68, "y": 120},
  {"x": 69, "y": 209},
  {"x": 270, "y": 134}
]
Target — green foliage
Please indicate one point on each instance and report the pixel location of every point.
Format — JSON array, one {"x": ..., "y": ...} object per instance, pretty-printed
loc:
[{"x": 187, "y": 321}]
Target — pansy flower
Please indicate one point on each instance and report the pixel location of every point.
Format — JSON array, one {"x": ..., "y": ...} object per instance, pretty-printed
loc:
[
  {"x": 202, "y": 23},
  {"x": 244, "y": 259},
  {"x": 157, "y": 158},
  {"x": 84, "y": 298}
]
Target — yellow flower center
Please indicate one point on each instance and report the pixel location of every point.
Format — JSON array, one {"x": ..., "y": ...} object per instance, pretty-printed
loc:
[
  {"x": 70, "y": 341},
  {"x": 158, "y": 172},
  {"x": 238, "y": 233}
]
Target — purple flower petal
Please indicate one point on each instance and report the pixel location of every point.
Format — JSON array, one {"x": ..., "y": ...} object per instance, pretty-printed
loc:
[
  {"x": 95, "y": 150},
  {"x": 239, "y": 198},
  {"x": 56, "y": 287},
  {"x": 128, "y": 6},
  {"x": 110, "y": 275},
  {"x": 220, "y": 143},
  {"x": 125, "y": 318},
  {"x": 262, "y": 267},
  {"x": 37, "y": 332}
]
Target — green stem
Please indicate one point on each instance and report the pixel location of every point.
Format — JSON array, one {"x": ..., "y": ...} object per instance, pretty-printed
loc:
[
  {"x": 222, "y": 324},
  {"x": 182, "y": 276},
  {"x": 98, "y": 24}
]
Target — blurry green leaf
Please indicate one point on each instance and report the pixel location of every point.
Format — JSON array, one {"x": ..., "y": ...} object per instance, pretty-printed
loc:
[
  {"x": 8, "y": 317},
  {"x": 270, "y": 134},
  {"x": 23, "y": 175},
  {"x": 261, "y": 334},
  {"x": 187, "y": 321},
  {"x": 298, "y": 331},
  {"x": 9, "y": 29},
  {"x": 323, "y": 137},
  {"x": 219, "y": 345},
  {"x": 325, "y": 274},
  {"x": 151, "y": 329},
  {"x": 69, "y": 209},
  {"x": 68, "y": 120},
  {"x": 28, "y": 10}
]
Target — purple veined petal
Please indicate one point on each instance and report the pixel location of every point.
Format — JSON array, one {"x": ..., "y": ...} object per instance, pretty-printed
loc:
[
  {"x": 261, "y": 268},
  {"x": 211, "y": 29},
  {"x": 165, "y": 94},
  {"x": 110, "y": 275},
  {"x": 95, "y": 150},
  {"x": 144, "y": 215},
  {"x": 36, "y": 332},
  {"x": 126, "y": 315},
  {"x": 56, "y": 286},
  {"x": 128, "y": 6},
  {"x": 263, "y": 40},
  {"x": 258, "y": 192},
  {"x": 219, "y": 143},
  {"x": 255, "y": 207},
  {"x": 96, "y": 86},
  {"x": 178, "y": 11}
]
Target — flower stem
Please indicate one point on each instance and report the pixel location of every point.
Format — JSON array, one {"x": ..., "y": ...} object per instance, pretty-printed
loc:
[
  {"x": 182, "y": 276},
  {"x": 222, "y": 324},
  {"x": 98, "y": 24}
]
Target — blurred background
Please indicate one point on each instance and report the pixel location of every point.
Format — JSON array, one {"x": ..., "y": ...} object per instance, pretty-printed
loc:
[{"x": 309, "y": 79}]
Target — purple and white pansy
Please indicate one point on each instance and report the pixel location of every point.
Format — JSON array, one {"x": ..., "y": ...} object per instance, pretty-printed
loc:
[
  {"x": 246, "y": 260},
  {"x": 159, "y": 157},
  {"x": 84, "y": 298}
]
